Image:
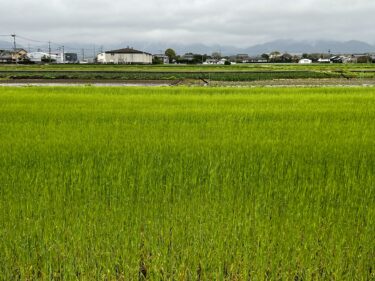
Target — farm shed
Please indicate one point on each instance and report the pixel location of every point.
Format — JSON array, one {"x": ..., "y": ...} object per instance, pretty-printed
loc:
[{"x": 125, "y": 56}]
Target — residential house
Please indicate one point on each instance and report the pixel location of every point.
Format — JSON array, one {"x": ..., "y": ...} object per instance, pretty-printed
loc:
[
  {"x": 257, "y": 59},
  {"x": 125, "y": 56},
  {"x": 13, "y": 56},
  {"x": 211, "y": 61},
  {"x": 163, "y": 58},
  {"x": 222, "y": 61},
  {"x": 70, "y": 58},
  {"x": 362, "y": 58},
  {"x": 244, "y": 58},
  {"x": 188, "y": 57}
]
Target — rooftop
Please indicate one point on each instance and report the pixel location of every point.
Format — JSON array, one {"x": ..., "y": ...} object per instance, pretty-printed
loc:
[{"x": 126, "y": 51}]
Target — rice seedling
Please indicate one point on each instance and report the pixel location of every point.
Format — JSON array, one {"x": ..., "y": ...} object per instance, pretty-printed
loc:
[{"x": 187, "y": 184}]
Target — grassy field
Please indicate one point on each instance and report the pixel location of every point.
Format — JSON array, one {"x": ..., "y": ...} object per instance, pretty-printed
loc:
[
  {"x": 170, "y": 76},
  {"x": 187, "y": 184},
  {"x": 239, "y": 72}
]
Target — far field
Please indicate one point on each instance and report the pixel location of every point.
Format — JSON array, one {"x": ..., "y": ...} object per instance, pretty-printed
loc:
[
  {"x": 176, "y": 67},
  {"x": 239, "y": 72},
  {"x": 187, "y": 184}
]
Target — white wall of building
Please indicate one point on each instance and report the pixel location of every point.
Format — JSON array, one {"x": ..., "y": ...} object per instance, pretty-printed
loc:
[
  {"x": 38, "y": 56},
  {"x": 305, "y": 61},
  {"x": 124, "y": 58}
]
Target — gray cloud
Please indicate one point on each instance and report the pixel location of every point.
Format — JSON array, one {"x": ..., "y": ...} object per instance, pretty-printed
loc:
[{"x": 225, "y": 22}]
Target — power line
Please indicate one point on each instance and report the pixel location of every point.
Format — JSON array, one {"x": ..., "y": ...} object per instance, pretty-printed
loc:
[
  {"x": 47, "y": 44},
  {"x": 32, "y": 40}
]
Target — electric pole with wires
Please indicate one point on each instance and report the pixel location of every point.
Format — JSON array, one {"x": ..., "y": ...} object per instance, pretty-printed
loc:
[
  {"x": 14, "y": 42},
  {"x": 49, "y": 50}
]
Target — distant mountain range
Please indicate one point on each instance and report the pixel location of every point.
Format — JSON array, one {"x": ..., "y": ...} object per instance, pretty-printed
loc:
[
  {"x": 5, "y": 45},
  {"x": 290, "y": 46},
  {"x": 321, "y": 46}
]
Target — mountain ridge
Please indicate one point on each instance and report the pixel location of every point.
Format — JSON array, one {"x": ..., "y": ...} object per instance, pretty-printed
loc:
[{"x": 281, "y": 45}]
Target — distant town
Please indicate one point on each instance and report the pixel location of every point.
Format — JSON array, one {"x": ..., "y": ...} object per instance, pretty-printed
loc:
[{"x": 129, "y": 55}]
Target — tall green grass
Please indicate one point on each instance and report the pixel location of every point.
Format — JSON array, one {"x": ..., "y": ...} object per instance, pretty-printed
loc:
[{"x": 187, "y": 184}]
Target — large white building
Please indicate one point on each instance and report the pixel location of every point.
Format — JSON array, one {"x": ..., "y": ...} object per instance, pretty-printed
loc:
[
  {"x": 125, "y": 56},
  {"x": 39, "y": 57}
]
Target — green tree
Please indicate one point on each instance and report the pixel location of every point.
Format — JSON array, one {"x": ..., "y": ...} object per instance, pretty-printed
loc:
[
  {"x": 156, "y": 60},
  {"x": 265, "y": 56},
  {"x": 171, "y": 54}
]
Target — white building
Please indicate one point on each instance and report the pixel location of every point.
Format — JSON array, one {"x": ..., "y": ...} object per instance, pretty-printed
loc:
[
  {"x": 222, "y": 61},
  {"x": 324, "y": 60},
  {"x": 305, "y": 61},
  {"x": 39, "y": 57},
  {"x": 163, "y": 58},
  {"x": 125, "y": 56},
  {"x": 211, "y": 61}
]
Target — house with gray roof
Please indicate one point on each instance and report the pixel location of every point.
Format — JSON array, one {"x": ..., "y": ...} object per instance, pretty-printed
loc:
[{"x": 125, "y": 56}]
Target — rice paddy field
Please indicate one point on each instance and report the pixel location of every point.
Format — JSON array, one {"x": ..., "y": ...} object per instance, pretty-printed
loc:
[
  {"x": 187, "y": 183},
  {"x": 237, "y": 73}
]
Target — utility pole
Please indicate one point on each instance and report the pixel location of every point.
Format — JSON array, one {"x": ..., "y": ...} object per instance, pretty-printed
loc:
[
  {"x": 94, "y": 57},
  {"x": 14, "y": 46},
  {"x": 49, "y": 50},
  {"x": 83, "y": 54},
  {"x": 14, "y": 42},
  {"x": 63, "y": 54}
]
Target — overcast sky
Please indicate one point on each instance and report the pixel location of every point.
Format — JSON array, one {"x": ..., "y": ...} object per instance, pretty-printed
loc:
[{"x": 226, "y": 22}]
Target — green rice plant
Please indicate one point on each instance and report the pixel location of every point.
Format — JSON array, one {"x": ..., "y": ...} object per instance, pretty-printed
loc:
[{"x": 187, "y": 183}]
